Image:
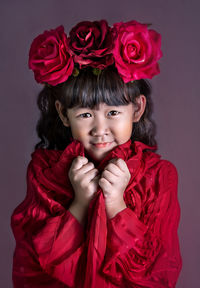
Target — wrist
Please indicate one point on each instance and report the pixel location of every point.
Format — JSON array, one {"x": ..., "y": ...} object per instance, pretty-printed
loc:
[
  {"x": 80, "y": 204},
  {"x": 113, "y": 209},
  {"x": 78, "y": 211}
]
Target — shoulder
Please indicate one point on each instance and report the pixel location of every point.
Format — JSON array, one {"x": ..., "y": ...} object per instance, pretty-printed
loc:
[
  {"x": 168, "y": 173},
  {"x": 43, "y": 158},
  {"x": 168, "y": 166},
  {"x": 161, "y": 176},
  {"x": 154, "y": 161},
  {"x": 48, "y": 157}
]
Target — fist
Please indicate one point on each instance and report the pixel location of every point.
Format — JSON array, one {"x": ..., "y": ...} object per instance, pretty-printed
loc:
[
  {"x": 84, "y": 179},
  {"x": 114, "y": 180}
]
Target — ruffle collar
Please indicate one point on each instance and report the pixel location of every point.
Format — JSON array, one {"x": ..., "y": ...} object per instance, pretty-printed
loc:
[{"x": 126, "y": 151}]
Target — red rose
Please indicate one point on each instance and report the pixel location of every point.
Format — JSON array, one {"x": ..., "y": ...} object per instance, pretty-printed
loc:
[
  {"x": 50, "y": 58},
  {"x": 92, "y": 43},
  {"x": 136, "y": 51}
]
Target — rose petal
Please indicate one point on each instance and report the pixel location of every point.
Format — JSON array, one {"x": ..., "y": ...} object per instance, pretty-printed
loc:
[
  {"x": 97, "y": 50},
  {"x": 136, "y": 50},
  {"x": 50, "y": 57}
]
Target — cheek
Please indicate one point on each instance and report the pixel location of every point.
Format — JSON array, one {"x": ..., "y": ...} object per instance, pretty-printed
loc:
[
  {"x": 78, "y": 133},
  {"x": 125, "y": 129}
]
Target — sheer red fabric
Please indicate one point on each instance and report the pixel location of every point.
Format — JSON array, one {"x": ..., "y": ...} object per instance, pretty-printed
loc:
[{"x": 139, "y": 247}]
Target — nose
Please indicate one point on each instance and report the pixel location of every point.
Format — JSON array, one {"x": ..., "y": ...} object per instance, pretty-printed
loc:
[{"x": 99, "y": 127}]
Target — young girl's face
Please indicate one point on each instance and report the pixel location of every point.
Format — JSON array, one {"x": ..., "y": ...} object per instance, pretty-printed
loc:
[{"x": 102, "y": 129}]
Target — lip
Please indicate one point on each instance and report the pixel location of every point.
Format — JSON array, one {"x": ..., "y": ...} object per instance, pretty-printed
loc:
[{"x": 102, "y": 145}]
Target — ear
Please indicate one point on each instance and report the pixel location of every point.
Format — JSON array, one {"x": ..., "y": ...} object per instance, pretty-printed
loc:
[
  {"x": 63, "y": 118},
  {"x": 139, "y": 108}
]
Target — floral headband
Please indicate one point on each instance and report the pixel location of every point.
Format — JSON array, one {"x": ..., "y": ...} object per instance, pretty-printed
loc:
[{"x": 131, "y": 47}]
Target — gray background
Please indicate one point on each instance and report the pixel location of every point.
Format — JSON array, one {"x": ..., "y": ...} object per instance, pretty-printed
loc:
[{"x": 175, "y": 96}]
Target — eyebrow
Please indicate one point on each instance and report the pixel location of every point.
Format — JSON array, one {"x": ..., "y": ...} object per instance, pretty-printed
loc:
[{"x": 76, "y": 108}]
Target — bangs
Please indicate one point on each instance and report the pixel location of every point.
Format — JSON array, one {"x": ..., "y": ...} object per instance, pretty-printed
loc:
[{"x": 89, "y": 90}]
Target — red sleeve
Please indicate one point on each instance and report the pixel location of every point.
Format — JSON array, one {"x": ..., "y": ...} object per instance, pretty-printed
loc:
[
  {"x": 144, "y": 251},
  {"x": 49, "y": 239}
]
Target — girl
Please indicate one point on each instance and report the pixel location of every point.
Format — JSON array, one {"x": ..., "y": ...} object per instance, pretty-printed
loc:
[{"x": 101, "y": 208}]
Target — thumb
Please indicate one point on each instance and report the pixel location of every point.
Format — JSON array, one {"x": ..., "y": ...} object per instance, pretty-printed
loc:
[
  {"x": 113, "y": 160},
  {"x": 97, "y": 177}
]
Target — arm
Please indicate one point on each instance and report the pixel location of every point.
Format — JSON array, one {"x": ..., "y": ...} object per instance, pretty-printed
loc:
[
  {"x": 49, "y": 239},
  {"x": 145, "y": 250},
  {"x": 55, "y": 234}
]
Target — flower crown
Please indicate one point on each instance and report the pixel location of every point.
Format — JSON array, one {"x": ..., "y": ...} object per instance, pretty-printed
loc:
[{"x": 131, "y": 47}]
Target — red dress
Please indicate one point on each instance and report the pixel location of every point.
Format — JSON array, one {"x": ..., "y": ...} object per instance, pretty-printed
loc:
[{"x": 139, "y": 247}]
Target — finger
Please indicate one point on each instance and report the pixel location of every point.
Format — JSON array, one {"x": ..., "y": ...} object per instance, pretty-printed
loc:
[
  {"x": 114, "y": 169},
  {"x": 105, "y": 185},
  {"x": 91, "y": 175},
  {"x": 87, "y": 167},
  {"x": 110, "y": 177},
  {"x": 96, "y": 178},
  {"x": 78, "y": 162},
  {"x": 121, "y": 164}
]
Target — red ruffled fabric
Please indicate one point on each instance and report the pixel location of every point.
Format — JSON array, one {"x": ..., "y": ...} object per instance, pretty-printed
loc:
[{"x": 139, "y": 247}]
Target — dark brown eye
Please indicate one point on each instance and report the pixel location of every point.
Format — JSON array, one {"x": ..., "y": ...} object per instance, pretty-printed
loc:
[
  {"x": 84, "y": 115},
  {"x": 113, "y": 113}
]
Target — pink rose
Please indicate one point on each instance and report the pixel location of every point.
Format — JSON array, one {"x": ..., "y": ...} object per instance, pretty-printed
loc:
[
  {"x": 136, "y": 51},
  {"x": 92, "y": 43},
  {"x": 50, "y": 57}
]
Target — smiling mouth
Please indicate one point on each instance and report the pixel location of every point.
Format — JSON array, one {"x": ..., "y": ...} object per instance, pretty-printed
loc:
[{"x": 102, "y": 145}]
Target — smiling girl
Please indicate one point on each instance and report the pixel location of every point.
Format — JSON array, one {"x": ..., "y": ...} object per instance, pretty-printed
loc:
[{"x": 101, "y": 208}]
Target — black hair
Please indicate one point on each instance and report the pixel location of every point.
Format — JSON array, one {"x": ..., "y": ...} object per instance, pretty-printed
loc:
[{"x": 89, "y": 90}]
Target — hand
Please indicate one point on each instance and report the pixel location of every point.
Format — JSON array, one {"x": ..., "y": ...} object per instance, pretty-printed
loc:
[
  {"x": 113, "y": 182},
  {"x": 84, "y": 179}
]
